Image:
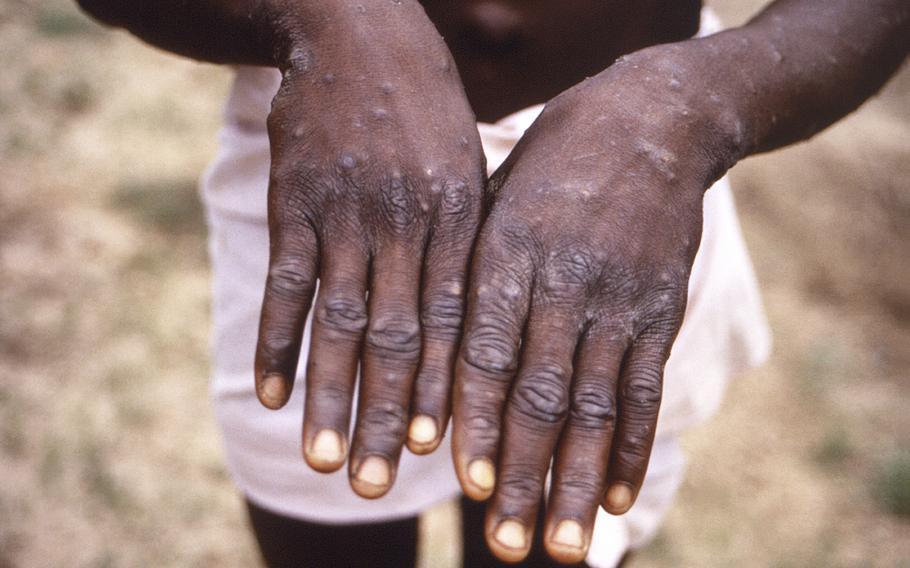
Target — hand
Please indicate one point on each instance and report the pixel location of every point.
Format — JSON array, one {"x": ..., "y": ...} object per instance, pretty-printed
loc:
[
  {"x": 376, "y": 180},
  {"x": 578, "y": 289}
]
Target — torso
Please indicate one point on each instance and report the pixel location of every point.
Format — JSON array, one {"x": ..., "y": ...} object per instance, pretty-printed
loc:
[{"x": 515, "y": 53}]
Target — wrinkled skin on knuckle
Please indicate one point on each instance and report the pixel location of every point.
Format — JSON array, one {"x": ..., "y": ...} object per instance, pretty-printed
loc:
[
  {"x": 397, "y": 207},
  {"x": 518, "y": 488},
  {"x": 329, "y": 395},
  {"x": 510, "y": 237},
  {"x": 274, "y": 346},
  {"x": 459, "y": 204},
  {"x": 442, "y": 313},
  {"x": 289, "y": 281},
  {"x": 434, "y": 384},
  {"x": 488, "y": 349},
  {"x": 343, "y": 315},
  {"x": 383, "y": 421},
  {"x": 593, "y": 406},
  {"x": 634, "y": 450},
  {"x": 482, "y": 426},
  {"x": 568, "y": 274},
  {"x": 641, "y": 392},
  {"x": 394, "y": 336},
  {"x": 541, "y": 395},
  {"x": 580, "y": 484}
]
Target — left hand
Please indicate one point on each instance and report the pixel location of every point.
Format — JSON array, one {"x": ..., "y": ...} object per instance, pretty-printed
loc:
[{"x": 578, "y": 289}]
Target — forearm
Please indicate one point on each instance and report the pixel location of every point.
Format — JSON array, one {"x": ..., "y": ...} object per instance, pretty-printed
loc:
[
  {"x": 251, "y": 32},
  {"x": 220, "y": 31},
  {"x": 801, "y": 65}
]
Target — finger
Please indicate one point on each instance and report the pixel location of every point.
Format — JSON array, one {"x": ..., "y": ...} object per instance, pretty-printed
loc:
[
  {"x": 535, "y": 413},
  {"x": 640, "y": 386},
  {"x": 487, "y": 361},
  {"x": 339, "y": 321},
  {"x": 442, "y": 310},
  {"x": 579, "y": 474},
  {"x": 390, "y": 355},
  {"x": 289, "y": 290}
]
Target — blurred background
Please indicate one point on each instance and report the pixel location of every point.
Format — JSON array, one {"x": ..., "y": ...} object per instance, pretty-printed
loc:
[{"x": 108, "y": 450}]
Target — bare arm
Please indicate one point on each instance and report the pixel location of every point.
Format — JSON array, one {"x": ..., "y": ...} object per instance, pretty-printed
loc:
[
  {"x": 801, "y": 65},
  {"x": 580, "y": 273},
  {"x": 254, "y": 32},
  {"x": 374, "y": 191}
]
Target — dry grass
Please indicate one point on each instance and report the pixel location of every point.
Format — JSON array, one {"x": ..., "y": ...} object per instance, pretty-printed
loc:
[{"x": 108, "y": 453}]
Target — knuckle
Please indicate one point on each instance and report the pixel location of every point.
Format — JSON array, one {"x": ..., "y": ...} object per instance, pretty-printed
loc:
[
  {"x": 343, "y": 314},
  {"x": 289, "y": 280},
  {"x": 398, "y": 205},
  {"x": 442, "y": 313},
  {"x": 383, "y": 417},
  {"x": 394, "y": 336},
  {"x": 635, "y": 448},
  {"x": 519, "y": 485},
  {"x": 489, "y": 350},
  {"x": 581, "y": 482},
  {"x": 642, "y": 390},
  {"x": 329, "y": 395},
  {"x": 432, "y": 384},
  {"x": 483, "y": 426},
  {"x": 542, "y": 394},
  {"x": 573, "y": 269},
  {"x": 508, "y": 238},
  {"x": 458, "y": 201},
  {"x": 276, "y": 346},
  {"x": 593, "y": 405},
  {"x": 667, "y": 300}
]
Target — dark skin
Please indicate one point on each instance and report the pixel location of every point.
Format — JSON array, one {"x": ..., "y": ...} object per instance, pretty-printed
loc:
[{"x": 584, "y": 242}]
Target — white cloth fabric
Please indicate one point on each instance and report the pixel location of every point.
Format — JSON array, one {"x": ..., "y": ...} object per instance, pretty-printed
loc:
[{"x": 724, "y": 332}]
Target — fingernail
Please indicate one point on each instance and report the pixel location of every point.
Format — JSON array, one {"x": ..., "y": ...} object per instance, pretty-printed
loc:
[
  {"x": 569, "y": 533},
  {"x": 423, "y": 430},
  {"x": 272, "y": 391},
  {"x": 511, "y": 534},
  {"x": 373, "y": 476},
  {"x": 327, "y": 448},
  {"x": 619, "y": 497},
  {"x": 482, "y": 474}
]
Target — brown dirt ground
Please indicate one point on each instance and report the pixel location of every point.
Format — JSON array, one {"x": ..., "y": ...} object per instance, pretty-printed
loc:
[{"x": 108, "y": 452}]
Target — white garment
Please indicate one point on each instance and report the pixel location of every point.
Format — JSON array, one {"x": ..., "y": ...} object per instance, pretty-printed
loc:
[{"x": 724, "y": 332}]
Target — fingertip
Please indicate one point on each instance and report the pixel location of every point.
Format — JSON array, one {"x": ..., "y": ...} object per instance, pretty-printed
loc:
[
  {"x": 619, "y": 499},
  {"x": 480, "y": 479},
  {"x": 510, "y": 541},
  {"x": 372, "y": 477},
  {"x": 326, "y": 452},
  {"x": 568, "y": 543},
  {"x": 423, "y": 435},
  {"x": 273, "y": 391}
]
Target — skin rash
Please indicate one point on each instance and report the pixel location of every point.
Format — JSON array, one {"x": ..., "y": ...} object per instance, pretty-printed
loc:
[{"x": 580, "y": 245}]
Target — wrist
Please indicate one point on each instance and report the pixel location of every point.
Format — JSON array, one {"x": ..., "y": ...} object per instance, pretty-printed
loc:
[
  {"x": 680, "y": 100},
  {"x": 304, "y": 30}
]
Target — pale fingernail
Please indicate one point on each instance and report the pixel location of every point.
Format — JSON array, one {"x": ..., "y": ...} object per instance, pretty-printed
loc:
[
  {"x": 511, "y": 534},
  {"x": 327, "y": 448},
  {"x": 569, "y": 533},
  {"x": 482, "y": 474},
  {"x": 619, "y": 497},
  {"x": 272, "y": 391},
  {"x": 423, "y": 430},
  {"x": 373, "y": 476}
]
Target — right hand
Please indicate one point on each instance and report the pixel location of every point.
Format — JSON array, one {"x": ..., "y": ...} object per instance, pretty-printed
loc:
[{"x": 376, "y": 181}]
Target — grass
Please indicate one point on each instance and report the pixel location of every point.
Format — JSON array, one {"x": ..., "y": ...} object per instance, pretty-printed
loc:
[
  {"x": 834, "y": 449},
  {"x": 56, "y": 22},
  {"x": 169, "y": 206},
  {"x": 892, "y": 486}
]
